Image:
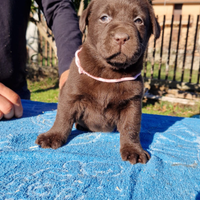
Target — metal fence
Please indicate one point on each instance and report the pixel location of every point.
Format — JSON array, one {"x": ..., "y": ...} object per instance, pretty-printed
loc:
[{"x": 174, "y": 59}]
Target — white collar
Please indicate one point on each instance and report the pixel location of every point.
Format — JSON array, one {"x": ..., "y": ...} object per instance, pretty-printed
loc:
[{"x": 82, "y": 71}]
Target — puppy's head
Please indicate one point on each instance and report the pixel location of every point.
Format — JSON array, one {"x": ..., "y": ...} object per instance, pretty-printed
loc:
[{"x": 119, "y": 30}]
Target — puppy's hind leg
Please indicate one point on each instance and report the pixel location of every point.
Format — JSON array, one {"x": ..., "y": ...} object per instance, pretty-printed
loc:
[{"x": 58, "y": 134}]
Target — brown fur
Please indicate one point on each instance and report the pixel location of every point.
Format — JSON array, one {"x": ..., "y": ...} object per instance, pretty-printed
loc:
[{"x": 113, "y": 49}]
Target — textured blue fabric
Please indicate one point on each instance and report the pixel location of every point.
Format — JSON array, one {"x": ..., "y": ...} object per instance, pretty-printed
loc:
[{"x": 89, "y": 166}]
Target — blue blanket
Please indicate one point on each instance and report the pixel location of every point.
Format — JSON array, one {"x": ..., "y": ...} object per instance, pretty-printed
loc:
[{"x": 89, "y": 166}]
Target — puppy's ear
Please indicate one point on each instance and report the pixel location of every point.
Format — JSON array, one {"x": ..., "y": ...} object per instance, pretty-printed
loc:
[
  {"x": 84, "y": 17},
  {"x": 155, "y": 25}
]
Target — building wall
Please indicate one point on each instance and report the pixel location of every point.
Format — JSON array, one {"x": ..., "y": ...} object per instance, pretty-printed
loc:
[
  {"x": 163, "y": 9},
  {"x": 187, "y": 9},
  {"x": 191, "y": 9}
]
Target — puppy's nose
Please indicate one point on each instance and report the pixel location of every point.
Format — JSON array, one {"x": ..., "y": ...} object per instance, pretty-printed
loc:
[{"x": 121, "y": 37}]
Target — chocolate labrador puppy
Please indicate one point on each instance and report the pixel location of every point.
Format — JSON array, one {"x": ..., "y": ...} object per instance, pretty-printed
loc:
[{"x": 105, "y": 89}]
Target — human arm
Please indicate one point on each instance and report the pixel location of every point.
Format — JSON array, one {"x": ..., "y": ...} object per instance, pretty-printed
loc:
[{"x": 63, "y": 21}]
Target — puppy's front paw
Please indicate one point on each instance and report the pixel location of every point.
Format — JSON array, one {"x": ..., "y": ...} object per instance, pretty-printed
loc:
[
  {"x": 133, "y": 155},
  {"x": 50, "y": 140}
]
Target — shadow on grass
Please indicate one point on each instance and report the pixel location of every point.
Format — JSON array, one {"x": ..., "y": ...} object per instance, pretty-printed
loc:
[
  {"x": 56, "y": 86},
  {"x": 148, "y": 102}
]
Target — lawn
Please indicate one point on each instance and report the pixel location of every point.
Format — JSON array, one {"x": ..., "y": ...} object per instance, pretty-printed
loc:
[{"x": 46, "y": 90}]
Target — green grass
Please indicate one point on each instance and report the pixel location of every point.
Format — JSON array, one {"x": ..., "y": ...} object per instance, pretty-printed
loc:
[
  {"x": 47, "y": 90},
  {"x": 170, "y": 109}
]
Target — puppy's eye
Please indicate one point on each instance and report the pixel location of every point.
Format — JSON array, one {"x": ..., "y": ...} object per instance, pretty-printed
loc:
[
  {"x": 138, "y": 20},
  {"x": 105, "y": 18}
]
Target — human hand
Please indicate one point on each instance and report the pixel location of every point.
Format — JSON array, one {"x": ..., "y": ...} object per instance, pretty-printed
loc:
[
  {"x": 63, "y": 78},
  {"x": 10, "y": 103}
]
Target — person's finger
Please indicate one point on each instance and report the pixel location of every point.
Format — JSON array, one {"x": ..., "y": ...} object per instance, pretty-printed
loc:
[
  {"x": 1, "y": 115},
  {"x": 13, "y": 98},
  {"x": 6, "y": 107},
  {"x": 9, "y": 94},
  {"x": 10, "y": 114},
  {"x": 18, "y": 109}
]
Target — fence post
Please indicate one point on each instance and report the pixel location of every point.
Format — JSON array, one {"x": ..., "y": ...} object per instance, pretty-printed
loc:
[
  {"x": 185, "y": 51},
  {"x": 169, "y": 49},
  {"x": 145, "y": 65},
  {"x": 153, "y": 58},
  {"x": 194, "y": 46},
  {"x": 161, "y": 48},
  {"x": 177, "y": 48}
]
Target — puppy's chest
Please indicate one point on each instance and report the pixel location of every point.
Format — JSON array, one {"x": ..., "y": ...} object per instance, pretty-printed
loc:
[
  {"x": 101, "y": 113},
  {"x": 111, "y": 99},
  {"x": 100, "y": 108}
]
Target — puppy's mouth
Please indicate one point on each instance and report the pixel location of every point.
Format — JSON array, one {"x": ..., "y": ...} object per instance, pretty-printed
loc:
[{"x": 120, "y": 60}]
